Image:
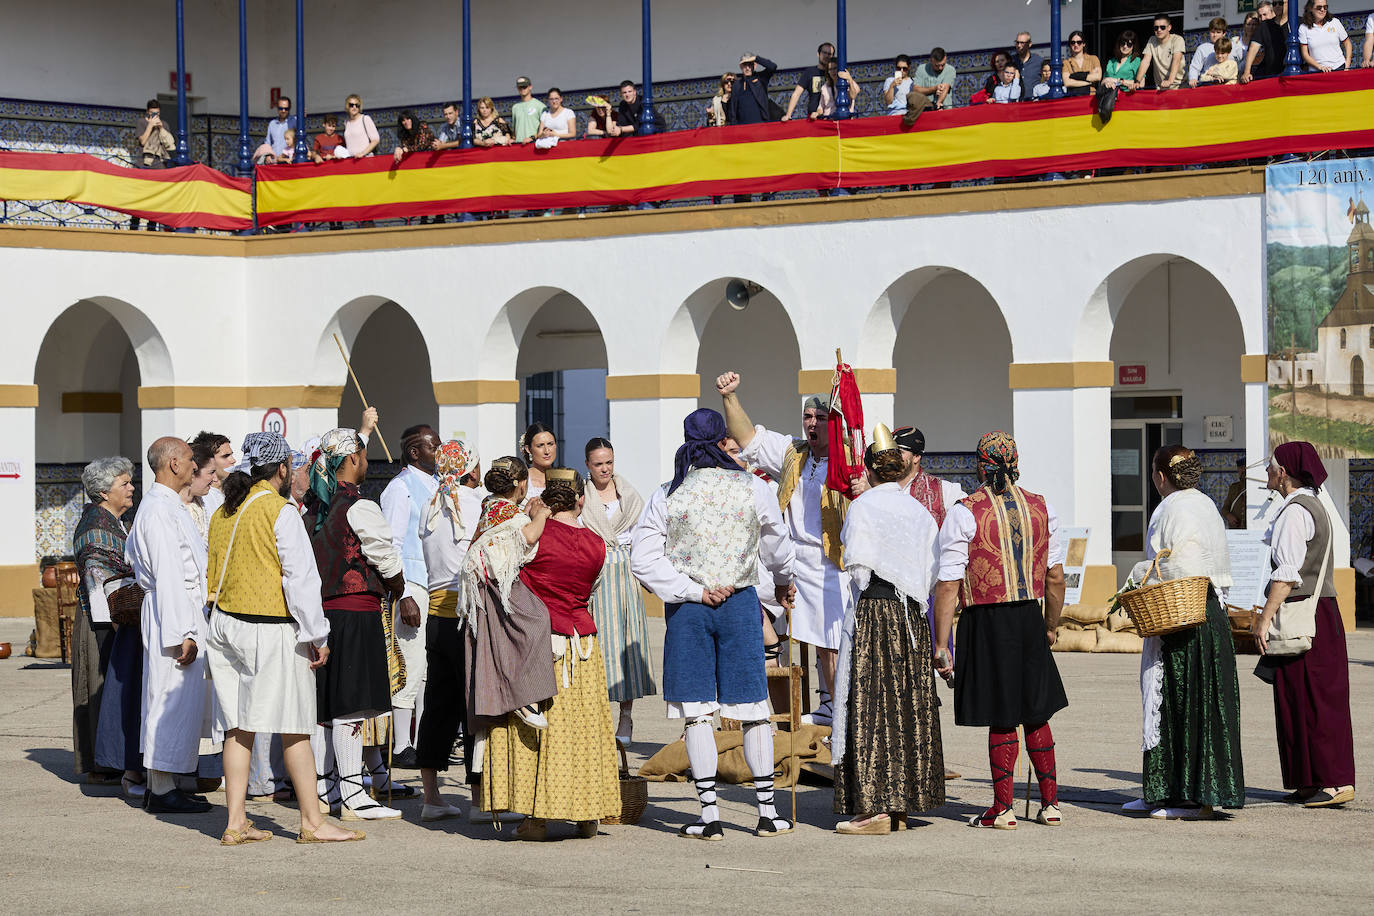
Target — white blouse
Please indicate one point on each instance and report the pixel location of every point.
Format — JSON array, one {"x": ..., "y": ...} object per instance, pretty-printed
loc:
[
  {"x": 1188, "y": 525},
  {"x": 1288, "y": 534}
]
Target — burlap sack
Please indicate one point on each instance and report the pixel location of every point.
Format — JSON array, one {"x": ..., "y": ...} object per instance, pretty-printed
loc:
[
  {"x": 47, "y": 636},
  {"x": 1075, "y": 640},
  {"x": 1069, "y": 624},
  {"x": 1125, "y": 643},
  {"x": 1119, "y": 621},
  {"x": 1085, "y": 614}
]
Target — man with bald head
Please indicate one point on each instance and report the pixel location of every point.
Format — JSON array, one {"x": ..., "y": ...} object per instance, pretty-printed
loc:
[{"x": 168, "y": 559}]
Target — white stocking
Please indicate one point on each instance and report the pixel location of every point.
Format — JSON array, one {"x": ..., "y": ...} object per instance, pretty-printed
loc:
[
  {"x": 419, "y": 712},
  {"x": 326, "y": 770},
  {"x": 160, "y": 782},
  {"x": 348, "y": 755},
  {"x": 758, "y": 753},
  {"x": 400, "y": 724},
  {"x": 702, "y": 756}
]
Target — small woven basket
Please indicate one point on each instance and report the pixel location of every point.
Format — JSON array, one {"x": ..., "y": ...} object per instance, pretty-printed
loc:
[
  {"x": 1241, "y": 620},
  {"x": 1167, "y": 606},
  {"x": 634, "y": 794}
]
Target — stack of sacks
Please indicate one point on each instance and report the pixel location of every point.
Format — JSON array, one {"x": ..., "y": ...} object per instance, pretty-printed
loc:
[{"x": 1090, "y": 628}]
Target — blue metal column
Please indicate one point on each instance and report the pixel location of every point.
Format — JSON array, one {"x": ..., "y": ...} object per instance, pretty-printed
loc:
[
  {"x": 1056, "y": 52},
  {"x": 183, "y": 151},
  {"x": 646, "y": 125},
  {"x": 842, "y": 99},
  {"x": 1292, "y": 61},
  {"x": 465, "y": 129},
  {"x": 302, "y": 147},
  {"x": 245, "y": 149}
]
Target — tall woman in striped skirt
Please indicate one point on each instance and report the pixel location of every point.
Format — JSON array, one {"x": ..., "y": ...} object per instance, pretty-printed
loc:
[{"x": 612, "y": 509}]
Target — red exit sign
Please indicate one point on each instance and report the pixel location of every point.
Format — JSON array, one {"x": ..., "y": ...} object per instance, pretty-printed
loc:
[
  {"x": 172, "y": 80},
  {"x": 1130, "y": 375}
]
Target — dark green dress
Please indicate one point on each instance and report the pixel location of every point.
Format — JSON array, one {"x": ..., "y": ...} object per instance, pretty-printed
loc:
[{"x": 1198, "y": 757}]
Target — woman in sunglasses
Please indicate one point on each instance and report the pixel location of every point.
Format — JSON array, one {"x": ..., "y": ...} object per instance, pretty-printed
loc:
[
  {"x": 360, "y": 133},
  {"x": 1123, "y": 70},
  {"x": 1082, "y": 71}
]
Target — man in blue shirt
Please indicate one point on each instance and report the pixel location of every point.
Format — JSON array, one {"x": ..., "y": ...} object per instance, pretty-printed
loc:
[{"x": 276, "y": 129}]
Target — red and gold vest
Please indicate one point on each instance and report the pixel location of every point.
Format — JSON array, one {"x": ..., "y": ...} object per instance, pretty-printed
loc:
[
  {"x": 1010, "y": 550},
  {"x": 927, "y": 491}
]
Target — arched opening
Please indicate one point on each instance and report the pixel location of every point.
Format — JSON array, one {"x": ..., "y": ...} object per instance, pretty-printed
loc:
[
  {"x": 758, "y": 341},
  {"x": 560, "y": 360},
  {"x": 1356, "y": 377},
  {"x": 1176, "y": 340},
  {"x": 391, "y": 360}
]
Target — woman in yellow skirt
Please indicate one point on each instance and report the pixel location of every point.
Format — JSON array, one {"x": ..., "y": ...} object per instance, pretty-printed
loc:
[{"x": 566, "y": 771}]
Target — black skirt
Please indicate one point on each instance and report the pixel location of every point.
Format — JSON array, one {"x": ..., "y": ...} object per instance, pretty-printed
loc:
[
  {"x": 1004, "y": 672},
  {"x": 354, "y": 683}
]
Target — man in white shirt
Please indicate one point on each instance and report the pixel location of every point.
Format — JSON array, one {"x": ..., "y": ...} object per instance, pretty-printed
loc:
[
  {"x": 403, "y": 501},
  {"x": 696, "y": 548},
  {"x": 814, "y": 514},
  {"x": 168, "y": 559}
]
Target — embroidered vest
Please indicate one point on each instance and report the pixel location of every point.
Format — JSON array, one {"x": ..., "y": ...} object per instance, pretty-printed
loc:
[
  {"x": 928, "y": 492},
  {"x": 412, "y": 554},
  {"x": 252, "y": 582},
  {"x": 1318, "y": 549},
  {"x": 833, "y": 505},
  {"x": 339, "y": 553},
  {"x": 1009, "y": 553},
  {"x": 713, "y": 529}
]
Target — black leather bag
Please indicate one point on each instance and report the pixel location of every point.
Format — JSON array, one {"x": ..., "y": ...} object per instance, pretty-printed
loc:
[{"x": 1106, "y": 103}]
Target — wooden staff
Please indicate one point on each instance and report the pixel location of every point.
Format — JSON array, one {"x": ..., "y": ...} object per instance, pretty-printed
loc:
[{"x": 362, "y": 397}]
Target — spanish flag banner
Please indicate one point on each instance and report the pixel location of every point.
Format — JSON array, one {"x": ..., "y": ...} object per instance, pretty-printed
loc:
[
  {"x": 187, "y": 196},
  {"x": 1211, "y": 124}
]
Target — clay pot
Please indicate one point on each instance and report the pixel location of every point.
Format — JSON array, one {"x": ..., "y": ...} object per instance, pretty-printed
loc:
[
  {"x": 50, "y": 577},
  {"x": 4, "y": 650}
]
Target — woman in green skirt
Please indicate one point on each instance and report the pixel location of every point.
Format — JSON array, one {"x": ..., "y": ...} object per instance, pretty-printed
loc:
[
  {"x": 1190, "y": 694},
  {"x": 612, "y": 509}
]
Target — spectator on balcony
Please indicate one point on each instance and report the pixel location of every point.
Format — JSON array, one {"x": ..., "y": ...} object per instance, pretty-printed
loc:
[
  {"x": 1041, "y": 89},
  {"x": 809, "y": 82},
  {"x": 488, "y": 128},
  {"x": 1264, "y": 56},
  {"x": 996, "y": 64},
  {"x": 833, "y": 74},
  {"x": 1206, "y": 54},
  {"x": 1123, "y": 70},
  {"x": 287, "y": 155},
  {"x": 155, "y": 146},
  {"x": 1008, "y": 88},
  {"x": 934, "y": 79},
  {"x": 749, "y": 103},
  {"x": 1241, "y": 45},
  {"x": 360, "y": 132},
  {"x": 450, "y": 133},
  {"x": 600, "y": 118},
  {"x": 1026, "y": 62},
  {"x": 897, "y": 86},
  {"x": 629, "y": 115},
  {"x": 327, "y": 143},
  {"x": 718, "y": 112},
  {"x": 525, "y": 113},
  {"x": 1165, "y": 54},
  {"x": 272, "y": 148},
  {"x": 1082, "y": 71},
  {"x": 1367, "y": 59},
  {"x": 1224, "y": 70},
  {"x": 1325, "y": 45},
  {"x": 556, "y": 122},
  {"x": 412, "y": 135}
]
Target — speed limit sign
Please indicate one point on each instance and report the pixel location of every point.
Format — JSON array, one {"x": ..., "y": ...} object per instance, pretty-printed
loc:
[{"x": 274, "y": 421}]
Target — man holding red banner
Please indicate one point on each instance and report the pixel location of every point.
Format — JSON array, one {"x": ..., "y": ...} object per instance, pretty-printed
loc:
[{"x": 815, "y": 516}]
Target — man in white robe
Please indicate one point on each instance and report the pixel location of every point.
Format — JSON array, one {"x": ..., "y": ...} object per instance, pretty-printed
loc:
[{"x": 168, "y": 558}]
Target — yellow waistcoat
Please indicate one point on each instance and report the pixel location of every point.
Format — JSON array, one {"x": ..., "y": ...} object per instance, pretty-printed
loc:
[
  {"x": 252, "y": 583},
  {"x": 833, "y": 505}
]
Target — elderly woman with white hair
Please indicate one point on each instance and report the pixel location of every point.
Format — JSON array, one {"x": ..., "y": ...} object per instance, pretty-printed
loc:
[{"x": 107, "y": 660}]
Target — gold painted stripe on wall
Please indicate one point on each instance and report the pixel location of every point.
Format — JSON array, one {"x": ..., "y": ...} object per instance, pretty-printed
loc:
[
  {"x": 18, "y": 395},
  {"x": 92, "y": 402},
  {"x": 478, "y": 391},
  {"x": 1254, "y": 367},
  {"x": 871, "y": 381},
  {"x": 237, "y": 397},
  {"x": 1022, "y": 376},
  {"x": 652, "y": 387}
]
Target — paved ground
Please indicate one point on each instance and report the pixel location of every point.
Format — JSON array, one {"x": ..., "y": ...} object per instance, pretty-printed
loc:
[{"x": 67, "y": 848}]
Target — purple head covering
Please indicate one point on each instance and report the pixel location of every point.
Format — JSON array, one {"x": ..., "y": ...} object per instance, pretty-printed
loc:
[
  {"x": 1302, "y": 463},
  {"x": 701, "y": 433}
]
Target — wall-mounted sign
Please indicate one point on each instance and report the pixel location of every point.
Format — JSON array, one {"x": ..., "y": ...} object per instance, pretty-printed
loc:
[
  {"x": 1219, "y": 429},
  {"x": 9, "y": 470},
  {"x": 273, "y": 95},
  {"x": 1130, "y": 375},
  {"x": 274, "y": 421},
  {"x": 172, "y": 80}
]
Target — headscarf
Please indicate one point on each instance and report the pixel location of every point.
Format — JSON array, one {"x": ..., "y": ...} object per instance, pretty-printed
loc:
[
  {"x": 910, "y": 439},
  {"x": 452, "y": 464},
  {"x": 998, "y": 460},
  {"x": 262, "y": 449},
  {"x": 702, "y": 431},
  {"x": 1302, "y": 463},
  {"x": 335, "y": 446}
]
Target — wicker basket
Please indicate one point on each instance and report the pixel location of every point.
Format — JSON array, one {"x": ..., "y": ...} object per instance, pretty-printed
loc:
[
  {"x": 1241, "y": 620},
  {"x": 634, "y": 794},
  {"x": 1167, "y": 607}
]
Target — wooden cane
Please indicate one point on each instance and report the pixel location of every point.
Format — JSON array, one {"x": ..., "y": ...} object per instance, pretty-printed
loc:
[{"x": 362, "y": 397}]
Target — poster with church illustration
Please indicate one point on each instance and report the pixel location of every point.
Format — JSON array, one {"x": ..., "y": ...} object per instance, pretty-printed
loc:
[{"x": 1320, "y": 278}]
